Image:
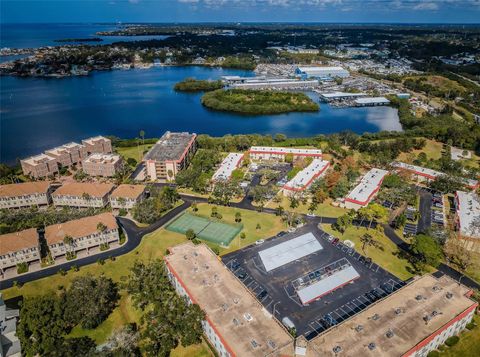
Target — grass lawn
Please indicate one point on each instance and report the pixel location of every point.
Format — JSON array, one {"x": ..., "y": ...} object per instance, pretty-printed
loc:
[
  {"x": 469, "y": 344},
  {"x": 200, "y": 350},
  {"x": 474, "y": 270},
  {"x": 270, "y": 224},
  {"x": 433, "y": 150},
  {"x": 389, "y": 258},
  {"x": 325, "y": 209},
  {"x": 135, "y": 152}
]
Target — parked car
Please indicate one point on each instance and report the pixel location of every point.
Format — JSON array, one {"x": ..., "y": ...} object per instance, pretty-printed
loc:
[
  {"x": 335, "y": 241},
  {"x": 262, "y": 294}
]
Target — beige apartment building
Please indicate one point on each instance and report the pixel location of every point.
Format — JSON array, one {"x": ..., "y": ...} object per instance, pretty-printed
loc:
[
  {"x": 78, "y": 194},
  {"x": 105, "y": 165},
  {"x": 170, "y": 155},
  {"x": 39, "y": 166},
  {"x": 84, "y": 232},
  {"x": 127, "y": 196},
  {"x": 68, "y": 154},
  {"x": 98, "y": 144},
  {"x": 26, "y": 194},
  {"x": 18, "y": 247}
]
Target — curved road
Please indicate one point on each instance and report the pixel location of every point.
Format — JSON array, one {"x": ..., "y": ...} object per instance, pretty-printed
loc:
[{"x": 135, "y": 235}]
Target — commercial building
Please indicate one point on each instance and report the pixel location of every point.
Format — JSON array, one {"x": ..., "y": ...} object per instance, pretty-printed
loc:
[
  {"x": 68, "y": 154},
  {"x": 422, "y": 174},
  {"x": 236, "y": 324},
  {"x": 39, "y": 166},
  {"x": 412, "y": 321},
  {"x": 371, "y": 102},
  {"x": 321, "y": 72},
  {"x": 26, "y": 194},
  {"x": 363, "y": 193},
  {"x": 98, "y": 144},
  {"x": 170, "y": 155},
  {"x": 127, "y": 196},
  {"x": 276, "y": 83},
  {"x": 228, "y": 165},
  {"x": 79, "y": 194},
  {"x": 278, "y": 153},
  {"x": 9, "y": 342},
  {"x": 85, "y": 233},
  {"x": 105, "y": 165},
  {"x": 467, "y": 218},
  {"x": 306, "y": 177},
  {"x": 18, "y": 247},
  {"x": 328, "y": 97}
]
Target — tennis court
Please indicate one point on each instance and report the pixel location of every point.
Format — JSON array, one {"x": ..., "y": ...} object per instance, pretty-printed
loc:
[{"x": 215, "y": 232}]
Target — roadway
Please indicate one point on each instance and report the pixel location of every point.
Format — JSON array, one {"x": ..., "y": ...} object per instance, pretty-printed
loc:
[{"x": 135, "y": 235}]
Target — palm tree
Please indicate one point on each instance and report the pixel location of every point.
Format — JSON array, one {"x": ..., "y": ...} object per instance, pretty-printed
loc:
[
  {"x": 101, "y": 228},
  {"x": 68, "y": 242},
  {"x": 367, "y": 240}
]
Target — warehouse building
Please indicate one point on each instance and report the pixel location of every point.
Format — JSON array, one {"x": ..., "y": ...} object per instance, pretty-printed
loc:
[
  {"x": 236, "y": 324},
  {"x": 467, "y": 218},
  {"x": 170, "y": 155},
  {"x": 279, "y": 153},
  {"x": 412, "y": 321},
  {"x": 281, "y": 83},
  {"x": 25, "y": 194},
  {"x": 228, "y": 165},
  {"x": 423, "y": 174},
  {"x": 306, "y": 177},
  {"x": 321, "y": 72},
  {"x": 329, "y": 97},
  {"x": 371, "y": 102},
  {"x": 364, "y": 192}
]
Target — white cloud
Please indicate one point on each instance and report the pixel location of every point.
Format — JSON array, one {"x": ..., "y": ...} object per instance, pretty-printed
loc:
[{"x": 426, "y": 6}]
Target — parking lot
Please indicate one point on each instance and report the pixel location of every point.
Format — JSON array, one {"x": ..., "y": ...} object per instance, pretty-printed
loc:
[{"x": 277, "y": 294}]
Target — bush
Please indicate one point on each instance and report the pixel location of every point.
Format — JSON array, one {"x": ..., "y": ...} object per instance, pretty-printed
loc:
[
  {"x": 75, "y": 268},
  {"x": 122, "y": 212},
  {"x": 470, "y": 325},
  {"x": 433, "y": 354},
  {"x": 216, "y": 250},
  {"x": 452, "y": 341},
  {"x": 104, "y": 246},
  {"x": 22, "y": 268}
]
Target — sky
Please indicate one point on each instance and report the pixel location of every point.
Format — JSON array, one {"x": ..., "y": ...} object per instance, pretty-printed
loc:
[{"x": 353, "y": 11}]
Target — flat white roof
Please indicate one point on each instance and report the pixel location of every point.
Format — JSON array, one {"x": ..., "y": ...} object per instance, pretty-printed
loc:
[
  {"x": 305, "y": 177},
  {"x": 341, "y": 95},
  {"x": 468, "y": 212},
  {"x": 432, "y": 174},
  {"x": 227, "y": 166},
  {"x": 328, "y": 284},
  {"x": 289, "y": 251},
  {"x": 320, "y": 69},
  {"x": 372, "y": 100},
  {"x": 368, "y": 185},
  {"x": 100, "y": 158},
  {"x": 285, "y": 151}
]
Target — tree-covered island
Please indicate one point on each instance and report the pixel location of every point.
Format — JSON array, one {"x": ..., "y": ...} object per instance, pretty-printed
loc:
[
  {"x": 197, "y": 85},
  {"x": 258, "y": 102}
]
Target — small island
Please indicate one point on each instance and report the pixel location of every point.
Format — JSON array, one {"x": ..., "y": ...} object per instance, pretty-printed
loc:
[
  {"x": 90, "y": 39},
  {"x": 258, "y": 102},
  {"x": 195, "y": 85}
]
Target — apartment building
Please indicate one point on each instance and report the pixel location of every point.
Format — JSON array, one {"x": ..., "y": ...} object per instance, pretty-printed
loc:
[
  {"x": 467, "y": 217},
  {"x": 39, "y": 166},
  {"x": 25, "y": 194},
  {"x": 412, "y": 321},
  {"x": 236, "y": 323},
  {"x": 127, "y": 196},
  {"x": 85, "y": 232},
  {"x": 98, "y": 144},
  {"x": 68, "y": 154},
  {"x": 278, "y": 153},
  {"x": 9, "y": 342},
  {"x": 228, "y": 165},
  {"x": 105, "y": 165},
  {"x": 364, "y": 192},
  {"x": 170, "y": 155},
  {"x": 78, "y": 194},
  {"x": 423, "y": 174},
  {"x": 19, "y": 247},
  {"x": 304, "y": 179}
]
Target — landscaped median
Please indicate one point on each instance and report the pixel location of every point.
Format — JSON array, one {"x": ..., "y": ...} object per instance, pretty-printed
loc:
[
  {"x": 256, "y": 102},
  {"x": 386, "y": 254}
]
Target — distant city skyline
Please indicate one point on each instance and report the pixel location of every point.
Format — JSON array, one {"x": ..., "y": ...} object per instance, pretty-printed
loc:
[{"x": 328, "y": 11}]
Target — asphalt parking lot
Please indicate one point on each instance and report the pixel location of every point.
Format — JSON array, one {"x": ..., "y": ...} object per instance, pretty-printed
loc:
[{"x": 275, "y": 291}]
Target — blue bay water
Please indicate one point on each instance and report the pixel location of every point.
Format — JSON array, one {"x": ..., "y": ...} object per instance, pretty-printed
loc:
[{"x": 37, "y": 113}]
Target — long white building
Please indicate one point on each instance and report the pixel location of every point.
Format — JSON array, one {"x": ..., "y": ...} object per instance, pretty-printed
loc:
[
  {"x": 306, "y": 177},
  {"x": 279, "y": 153},
  {"x": 467, "y": 205},
  {"x": 364, "y": 192},
  {"x": 228, "y": 165},
  {"x": 321, "y": 72}
]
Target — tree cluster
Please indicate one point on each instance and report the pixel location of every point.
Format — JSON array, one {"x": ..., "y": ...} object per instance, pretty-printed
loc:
[{"x": 160, "y": 201}]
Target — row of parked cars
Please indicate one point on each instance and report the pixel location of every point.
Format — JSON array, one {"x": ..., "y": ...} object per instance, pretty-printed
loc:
[{"x": 438, "y": 216}]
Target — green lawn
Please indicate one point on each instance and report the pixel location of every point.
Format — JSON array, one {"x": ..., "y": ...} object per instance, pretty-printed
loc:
[
  {"x": 433, "y": 150},
  {"x": 469, "y": 344},
  {"x": 389, "y": 258},
  {"x": 270, "y": 224},
  {"x": 325, "y": 209},
  {"x": 135, "y": 152}
]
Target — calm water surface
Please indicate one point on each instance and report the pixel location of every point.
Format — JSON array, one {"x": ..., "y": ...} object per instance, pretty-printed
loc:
[{"x": 37, "y": 114}]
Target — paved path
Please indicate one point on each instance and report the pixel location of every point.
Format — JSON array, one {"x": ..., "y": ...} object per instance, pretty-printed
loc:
[
  {"x": 425, "y": 209},
  {"x": 135, "y": 235}
]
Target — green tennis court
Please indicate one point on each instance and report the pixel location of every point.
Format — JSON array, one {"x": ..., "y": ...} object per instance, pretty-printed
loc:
[{"x": 215, "y": 232}]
